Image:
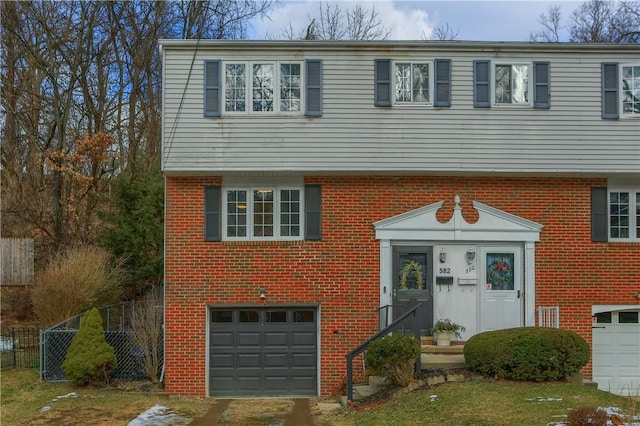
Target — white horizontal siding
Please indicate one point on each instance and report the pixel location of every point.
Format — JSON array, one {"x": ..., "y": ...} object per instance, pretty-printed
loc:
[{"x": 354, "y": 135}]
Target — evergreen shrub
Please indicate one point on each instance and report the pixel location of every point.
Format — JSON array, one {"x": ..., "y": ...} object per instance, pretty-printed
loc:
[
  {"x": 527, "y": 353},
  {"x": 393, "y": 357},
  {"x": 90, "y": 359}
]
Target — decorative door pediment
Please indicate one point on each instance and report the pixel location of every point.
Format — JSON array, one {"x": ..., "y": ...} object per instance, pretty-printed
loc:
[{"x": 492, "y": 225}]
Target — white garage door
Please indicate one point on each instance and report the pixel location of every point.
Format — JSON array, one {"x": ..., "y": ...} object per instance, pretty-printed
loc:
[{"x": 616, "y": 351}]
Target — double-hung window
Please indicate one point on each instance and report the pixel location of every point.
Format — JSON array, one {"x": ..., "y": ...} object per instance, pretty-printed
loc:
[
  {"x": 258, "y": 87},
  {"x": 620, "y": 90},
  {"x": 624, "y": 215},
  {"x": 615, "y": 211},
  {"x": 631, "y": 90},
  {"x": 412, "y": 82},
  {"x": 511, "y": 84},
  {"x": 263, "y": 213}
]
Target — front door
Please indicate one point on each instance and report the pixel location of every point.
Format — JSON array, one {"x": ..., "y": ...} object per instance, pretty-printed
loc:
[
  {"x": 501, "y": 289},
  {"x": 413, "y": 284}
]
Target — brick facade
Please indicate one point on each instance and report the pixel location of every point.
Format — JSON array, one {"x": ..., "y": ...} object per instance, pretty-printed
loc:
[{"x": 340, "y": 273}]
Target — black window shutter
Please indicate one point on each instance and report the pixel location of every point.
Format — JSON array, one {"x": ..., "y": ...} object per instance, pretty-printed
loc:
[
  {"x": 610, "y": 90},
  {"x": 212, "y": 213},
  {"x": 382, "y": 82},
  {"x": 541, "y": 96},
  {"x": 313, "y": 88},
  {"x": 442, "y": 82},
  {"x": 212, "y": 88},
  {"x": 313, "y": 212},
  {"x": 481, "y": 84},
  {"x": 599, "y": 223}
]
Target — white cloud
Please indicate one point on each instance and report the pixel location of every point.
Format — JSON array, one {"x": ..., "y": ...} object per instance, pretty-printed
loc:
[{"x": 404, "y": 24}]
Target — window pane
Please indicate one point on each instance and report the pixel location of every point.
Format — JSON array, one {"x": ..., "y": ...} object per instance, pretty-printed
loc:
[
  {"x": 500, "y": 271},
  {"x": 303, "y": 316},
  {"x": 249, "y": 316},
  {"x": 290, "y": 87},
  {"x": 224, "y": 316},
  {"x": 503, "y": 84},
  {"x": 619, "y": 209},
  {"x": 520, "y": 83},
  {"x": 627, "y": 317},
  {"x": 236, "y": 213},
  {"x": 403, "y": 82},
  {"x": 289, "y": 213},
  {"x": 263, "y": 82},
  {"x": 603, "y": 318},
  {"x": 276, "y": 316},
  {"x": 263, "y": 213},
  {"x": 235, "y": 92},
  {"x": 420, "y": 79}
]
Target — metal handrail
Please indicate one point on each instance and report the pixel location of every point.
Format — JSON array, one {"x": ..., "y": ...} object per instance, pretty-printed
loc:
[{"x": 357, "y": 351}]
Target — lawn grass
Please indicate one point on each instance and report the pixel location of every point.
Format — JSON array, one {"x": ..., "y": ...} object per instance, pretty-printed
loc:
[
  {"x": 480, "y": 402},
  {"x": 22, "y": 396}
]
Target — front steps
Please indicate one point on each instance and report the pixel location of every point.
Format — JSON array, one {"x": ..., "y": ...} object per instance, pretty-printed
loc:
[{"x": 432, "y": 357}]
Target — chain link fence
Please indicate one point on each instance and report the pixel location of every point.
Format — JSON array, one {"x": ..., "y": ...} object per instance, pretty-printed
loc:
[
  {"x": 119, "y": 333},
  {"x": 19, "y": 348}
]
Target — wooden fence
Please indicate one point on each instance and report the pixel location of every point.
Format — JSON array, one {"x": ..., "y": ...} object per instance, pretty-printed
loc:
[{"x": 16, "y": 261}]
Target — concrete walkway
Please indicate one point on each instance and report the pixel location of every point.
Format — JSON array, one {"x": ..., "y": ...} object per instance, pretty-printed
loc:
[{"x": 299, "y": 415}]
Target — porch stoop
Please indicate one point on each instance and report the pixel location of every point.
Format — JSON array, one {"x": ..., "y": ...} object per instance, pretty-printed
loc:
[{"x": 433, "y": 356}]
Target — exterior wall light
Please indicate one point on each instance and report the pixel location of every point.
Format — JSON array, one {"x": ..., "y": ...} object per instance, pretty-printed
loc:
[{"x": 471, "y": 255}]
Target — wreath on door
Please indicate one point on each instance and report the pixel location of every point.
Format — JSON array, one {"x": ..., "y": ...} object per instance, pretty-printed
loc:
[
  {"x": 500, "y": 273},
  {"x": 416, "y": 268}
]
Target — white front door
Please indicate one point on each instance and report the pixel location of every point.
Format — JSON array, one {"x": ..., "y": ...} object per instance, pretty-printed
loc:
[{"x": 500, "y": 287}]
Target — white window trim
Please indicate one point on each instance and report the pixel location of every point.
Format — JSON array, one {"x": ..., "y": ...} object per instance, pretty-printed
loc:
[
  {"x": 621, "y": 92},
  {"x": 248, "y": 84},
  {"x": 250, "y": 212},
  {"x": 492, "y": 84},
  {"x": 431, "y": 83},
  {"x": 632, "y": 213}
]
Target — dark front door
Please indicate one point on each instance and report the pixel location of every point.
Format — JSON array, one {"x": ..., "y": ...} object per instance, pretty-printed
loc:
[{"x": 413, "y": 284}]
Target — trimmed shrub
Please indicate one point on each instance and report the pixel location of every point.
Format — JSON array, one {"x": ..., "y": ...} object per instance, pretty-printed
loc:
[
  {"x": 527, "y": 353},
  {"x": 73, "y": 282},
  {"x": 393, "y": 357},
  {"x": 90, "y": 359}
]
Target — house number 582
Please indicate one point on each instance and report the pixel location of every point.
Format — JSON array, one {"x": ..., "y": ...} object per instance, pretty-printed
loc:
[{"x": 445, "y": 270}]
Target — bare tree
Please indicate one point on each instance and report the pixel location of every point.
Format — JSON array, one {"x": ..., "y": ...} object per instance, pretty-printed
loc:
[
  {"x": 335, "y": 23},
  {"x": 595, "y": 21},
  {"x": 442, "y": 32},
  {"x": 551, "y": 26}
]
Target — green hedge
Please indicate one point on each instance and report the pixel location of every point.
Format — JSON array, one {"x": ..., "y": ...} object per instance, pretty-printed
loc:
[
  {"x": 393, "y": 357},
  {"x": 527, "y": 353}
]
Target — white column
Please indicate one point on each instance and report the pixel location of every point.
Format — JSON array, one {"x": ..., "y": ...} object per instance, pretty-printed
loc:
[
  {"x": 386, "y": 257},
  {"x": 530, "y": 283}
]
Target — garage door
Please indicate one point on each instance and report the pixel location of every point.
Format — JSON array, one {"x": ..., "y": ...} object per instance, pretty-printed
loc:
[
  {"x": 616, "y": 351},
  {"x": 256, "y": 351}
]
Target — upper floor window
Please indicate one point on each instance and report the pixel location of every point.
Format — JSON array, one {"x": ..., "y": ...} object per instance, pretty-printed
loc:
[
  {"x": 631, "y": 90},
  {"x": 624, "y": 215},
  {"x": 404, "y": 83},
  {"x": 262, "y": 87},
  {"x": 620, "y": 90},
  {"x": 511, "y": 84},
  {"x": 412, "y": 82}
]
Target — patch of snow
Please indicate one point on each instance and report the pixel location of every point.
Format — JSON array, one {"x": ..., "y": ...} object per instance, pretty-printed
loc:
[
  {"x": 158, "y": 415},
  {"x": 543, "y": 399},
  {"x": 69, "y": 395},
  {"x": 433, "y": 398},
  {"x": 45, "y": 408}
]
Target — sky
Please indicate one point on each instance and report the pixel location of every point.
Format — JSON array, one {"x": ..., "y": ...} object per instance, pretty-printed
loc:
[{"x": 481, "y": 20}]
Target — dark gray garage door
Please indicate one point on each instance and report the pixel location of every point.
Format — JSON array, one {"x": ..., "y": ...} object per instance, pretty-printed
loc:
[{"x": 257, "y": 351}]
